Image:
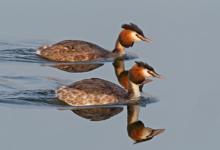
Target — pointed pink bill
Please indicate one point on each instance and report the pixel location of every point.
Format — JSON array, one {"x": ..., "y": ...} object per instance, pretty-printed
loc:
[
  {"x": 143, "y": 38},
  {"x": 146, "y": 39},
  {"x": 157, "y": 131},
  {"x": 161, "y": 77},
  {"x": 156, "y": 75}
]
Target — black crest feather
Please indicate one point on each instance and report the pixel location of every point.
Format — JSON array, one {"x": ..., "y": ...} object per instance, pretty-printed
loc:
[
  {"x": 144, "y": 65},
  {"x": 133, "y": 27}
]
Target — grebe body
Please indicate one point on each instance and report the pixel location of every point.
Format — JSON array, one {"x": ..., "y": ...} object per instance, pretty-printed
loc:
[
  {"x": 92, "y": 91},
  {"x": 73, "y": 50}
]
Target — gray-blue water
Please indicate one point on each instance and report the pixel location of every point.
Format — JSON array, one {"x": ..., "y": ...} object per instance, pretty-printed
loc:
[{"x": 185, "y": 49}]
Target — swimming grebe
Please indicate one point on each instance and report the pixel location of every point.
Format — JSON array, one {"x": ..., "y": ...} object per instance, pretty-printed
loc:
[
  {"x": 122, "y": 74},
  {"x": 76, "y": 50},
  {"x": 136, "y": 129},
  {"x": 97, "y": 91}
]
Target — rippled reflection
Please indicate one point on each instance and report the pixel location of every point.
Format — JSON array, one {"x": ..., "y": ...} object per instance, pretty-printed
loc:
[
  {"x": 76, "y": 68},
  {"x": 136, "y": 128},
  {"x": 98, "y": 113},
  {"x": 28, "y": 55}
]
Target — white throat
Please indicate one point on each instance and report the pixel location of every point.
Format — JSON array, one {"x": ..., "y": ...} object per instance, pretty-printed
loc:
[{"x": 133, "y": 90}]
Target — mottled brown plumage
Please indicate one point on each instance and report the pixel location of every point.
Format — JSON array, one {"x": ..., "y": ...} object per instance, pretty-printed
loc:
[
  {"x": 74, "y": 50},
  {"x": 92, "y": 91}
]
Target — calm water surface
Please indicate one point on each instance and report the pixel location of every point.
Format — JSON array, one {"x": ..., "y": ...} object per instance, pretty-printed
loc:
[{"x": 185, "y": 49}]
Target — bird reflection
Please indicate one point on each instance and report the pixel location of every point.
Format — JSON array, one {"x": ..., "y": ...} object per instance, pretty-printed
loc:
[
  {"x": 76, "y": 68},
  {"x": 79, "y": 67},
  {"x": 136, "y": 128},
  {"x": 98, "y": 113}
]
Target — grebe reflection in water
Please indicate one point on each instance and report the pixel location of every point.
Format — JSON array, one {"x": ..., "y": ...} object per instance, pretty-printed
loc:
[
  {"x": 136, "y": 129},
  {"x": 76, "y": 68},
  {"x": 98, "y": 113},
  {"x": 76, "y": 50}
]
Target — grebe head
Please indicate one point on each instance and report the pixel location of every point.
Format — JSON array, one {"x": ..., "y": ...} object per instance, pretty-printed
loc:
[
  {"x": 131, "y": 33},
  {"x": 139, "y": 133},
  {"x": 139, "y": 75},
  {"x": 142, "y": 72},
  {"x": 148, "y": 71}
]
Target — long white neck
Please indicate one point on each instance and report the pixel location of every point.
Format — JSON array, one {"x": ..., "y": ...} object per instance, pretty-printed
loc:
[
  {"x": 132, "y": 113},
  {"x": 133, "y": 90}
]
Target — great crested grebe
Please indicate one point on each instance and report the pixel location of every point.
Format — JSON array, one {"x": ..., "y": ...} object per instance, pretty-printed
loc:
[
  {"x": 76, "y": 50},
  {"x": 122, "y": 74},
  {"x": 97, "y": 91},
  {"x": 136, "y": 129}
]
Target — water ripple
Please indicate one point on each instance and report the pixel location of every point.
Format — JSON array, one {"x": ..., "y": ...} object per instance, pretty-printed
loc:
[{"x": 28, "y": 55}]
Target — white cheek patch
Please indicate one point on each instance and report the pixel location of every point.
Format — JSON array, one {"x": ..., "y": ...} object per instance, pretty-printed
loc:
[
  {"x": 134, "y": 36},
  {"x": 146, "y": 74}
]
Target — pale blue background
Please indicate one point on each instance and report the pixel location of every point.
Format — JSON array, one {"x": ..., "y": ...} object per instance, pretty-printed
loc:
[{"x": 185, "y": 49}]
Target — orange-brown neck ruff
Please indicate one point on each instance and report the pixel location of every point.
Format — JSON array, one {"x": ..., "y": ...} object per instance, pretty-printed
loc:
[
  {"x": 124, "y": 40},
  {"x": 136, "y": 78},
  {"x": 136, "y": 75},
  {"x": 136, "y": 130}
]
